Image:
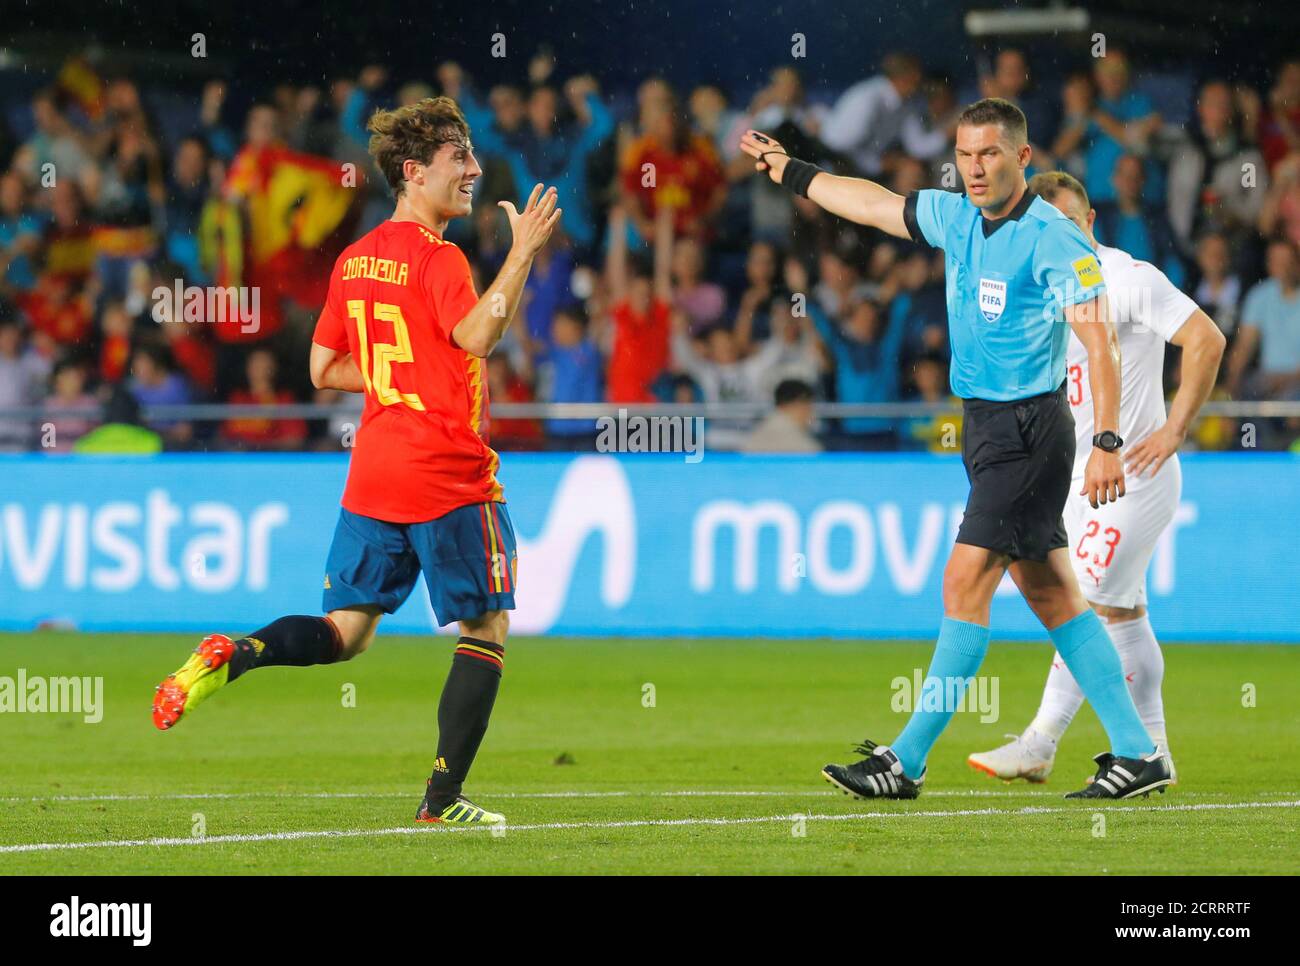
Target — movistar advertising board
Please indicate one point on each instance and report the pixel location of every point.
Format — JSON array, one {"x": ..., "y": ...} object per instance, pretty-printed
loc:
[{"x": 839, "y": 545}]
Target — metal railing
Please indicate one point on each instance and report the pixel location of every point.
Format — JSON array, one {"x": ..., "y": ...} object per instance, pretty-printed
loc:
[{"x": 214, "y": 412}]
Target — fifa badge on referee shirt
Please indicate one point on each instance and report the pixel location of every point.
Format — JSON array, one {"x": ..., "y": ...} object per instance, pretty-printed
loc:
[
  {"x": 993, "y": 298},
  {"x": 1086, "y": 270}
]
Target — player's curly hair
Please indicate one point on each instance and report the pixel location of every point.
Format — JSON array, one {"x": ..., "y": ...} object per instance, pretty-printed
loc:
[{"x": 413, "y": 132}]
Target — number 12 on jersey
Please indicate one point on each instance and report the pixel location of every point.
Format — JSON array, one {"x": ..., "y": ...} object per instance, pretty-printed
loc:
[{"x": 378, "y": 358}]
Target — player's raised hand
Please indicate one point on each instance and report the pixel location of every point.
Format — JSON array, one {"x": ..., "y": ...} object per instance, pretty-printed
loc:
[
  {"x": 532, "y": 227},
  {"x": 1103, "y": 478},
  {"x": 768, "y": 153}
]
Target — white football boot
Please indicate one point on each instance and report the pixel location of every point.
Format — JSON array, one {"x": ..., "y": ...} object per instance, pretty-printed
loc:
[{"x": 1028, "y": 756}]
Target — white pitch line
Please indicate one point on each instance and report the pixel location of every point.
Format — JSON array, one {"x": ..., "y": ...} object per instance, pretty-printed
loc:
[
  {"x": 720, "y": 793},
  {"x": 630, "y": 823}
]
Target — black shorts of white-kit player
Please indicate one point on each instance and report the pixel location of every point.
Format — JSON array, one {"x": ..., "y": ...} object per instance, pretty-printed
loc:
[{"x": 1019, "y": 458}]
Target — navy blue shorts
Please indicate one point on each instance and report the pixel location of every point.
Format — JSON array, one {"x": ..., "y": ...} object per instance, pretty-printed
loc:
[{"x": 467, "y": 556}]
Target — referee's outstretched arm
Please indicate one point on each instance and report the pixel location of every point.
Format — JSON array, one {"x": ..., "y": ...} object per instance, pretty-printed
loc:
[{"x": 855, "y": 199}]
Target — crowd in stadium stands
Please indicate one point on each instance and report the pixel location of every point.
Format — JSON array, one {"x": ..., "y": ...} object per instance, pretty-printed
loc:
[{"x": 680, "y": 275}]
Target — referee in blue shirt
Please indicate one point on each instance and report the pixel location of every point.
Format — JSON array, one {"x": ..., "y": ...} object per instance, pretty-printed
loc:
[{"x": 1018, "y": 271}]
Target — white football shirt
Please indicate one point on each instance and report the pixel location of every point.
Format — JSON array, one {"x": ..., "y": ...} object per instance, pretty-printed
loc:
[{"x": 1147, "y": 310}]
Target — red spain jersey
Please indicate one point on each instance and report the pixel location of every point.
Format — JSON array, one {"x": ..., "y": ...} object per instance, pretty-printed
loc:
[{"x": 395, "y": 295}]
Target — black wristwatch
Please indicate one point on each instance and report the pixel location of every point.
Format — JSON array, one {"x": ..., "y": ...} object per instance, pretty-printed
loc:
[{"x": 1108, "y": 440}]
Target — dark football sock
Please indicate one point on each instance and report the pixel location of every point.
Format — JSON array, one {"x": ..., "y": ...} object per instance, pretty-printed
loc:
[
  {"x": 463, "y": 713},
  {"x": 293, "y": 641}
]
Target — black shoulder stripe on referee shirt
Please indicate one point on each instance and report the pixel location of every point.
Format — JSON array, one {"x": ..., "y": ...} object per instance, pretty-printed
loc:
[{"x": 909, "y": 219}]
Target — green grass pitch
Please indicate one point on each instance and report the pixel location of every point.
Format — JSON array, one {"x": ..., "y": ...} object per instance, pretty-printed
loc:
[{"x": 282, "y": 777}]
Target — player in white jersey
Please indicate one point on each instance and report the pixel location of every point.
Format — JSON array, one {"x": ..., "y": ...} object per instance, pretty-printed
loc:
[{"x": 1111, "y": 546}]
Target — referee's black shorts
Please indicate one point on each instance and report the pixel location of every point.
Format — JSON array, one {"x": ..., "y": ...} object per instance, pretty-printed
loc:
[{"x": 1019, "y": 458}]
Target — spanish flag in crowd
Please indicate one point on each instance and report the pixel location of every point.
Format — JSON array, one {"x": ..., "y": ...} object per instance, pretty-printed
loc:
[
  {"x": 281, "y": 221},
  {"x": 83, "y": 84}
]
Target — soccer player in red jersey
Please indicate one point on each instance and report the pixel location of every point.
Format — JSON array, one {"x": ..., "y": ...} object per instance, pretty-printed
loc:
[{"x": 403, "y": 324}]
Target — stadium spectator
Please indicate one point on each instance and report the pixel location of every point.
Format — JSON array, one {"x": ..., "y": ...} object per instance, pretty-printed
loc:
[
  {"x": 788, "y": 427},
  {"x": 1218, "y": 291},
  {"x": 928, "y": 134},
  {"x": 701, "y": 301},
  {"x": 154, "y": 382},
  {"x": 59, "y": 429},
  {"x": 114, "y": 342},
  {"x": 543, "y": 150},
  {"x": 261, "y": 373},
  {"x": 506, "y": 385},
  {"x": 1071, "y": 133},
  {"x": 127, "y": 185},
  {"x": 308, "y": 129},
  {"x": 569, "y": 369},
  {"x": 508, "y": 119},
  {"x": 918, "y": 305},
  {"x": 940, "y": 433},
  {"x": 1280, "y": 212},
  {"x": 1011, "y": 80},
  {"x": 712, "y": 117},
  {"x": 783, "y": 109},
  {"x": 1108, "y": 122},
  {"x": 784, "y": 101},
  {"x": 214, "y": 132},
  {"x": 67, "y": 247},
  {"x": 868, "y": 119},
  {"x": 546, "y": 290},
  {"x": 867, "y": 362},
  {"x": 121, "y": 431},
  {"x": 21, "y": 375},
  {"x": 187, "y": 194},
  {"x": 1139, "y": 228},
  {"x": 1217, "y": 180},
  {"x": 124, "y": 189},
  {"x": 754, "y": 313},
  {"x": 194, "y": 355},
  {"x": 1279, "y": 124},
  {"x": 796, "y": 355},
  {"x": 57, "y": 151},
  {"x": 671, "y": 168},
  {"x": 641, "y": 306},
  {"x": 143, "y": 199},
  {"x": 20, "y": 235},
  {"x": 363, "y": 99},
  {"x": 840, "y": 284},
  {"x": 717, "y": 367},
  {"x": 1270, "y": 322},
  {"x": 60, "y": 308}
]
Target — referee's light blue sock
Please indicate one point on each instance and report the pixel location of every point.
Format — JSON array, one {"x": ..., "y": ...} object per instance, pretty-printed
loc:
[
  {"x": 958, "y": 654},
  {"x": 1090, "y": 655}
]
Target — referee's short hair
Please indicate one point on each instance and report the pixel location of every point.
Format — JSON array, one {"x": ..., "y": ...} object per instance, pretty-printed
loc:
[
  {"x": 996, "y": 110},
  {"x": 1048, "y": 184}
]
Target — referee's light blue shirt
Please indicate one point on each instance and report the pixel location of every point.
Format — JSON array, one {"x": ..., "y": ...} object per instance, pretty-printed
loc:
[{"x": 1008, "y": 281}]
